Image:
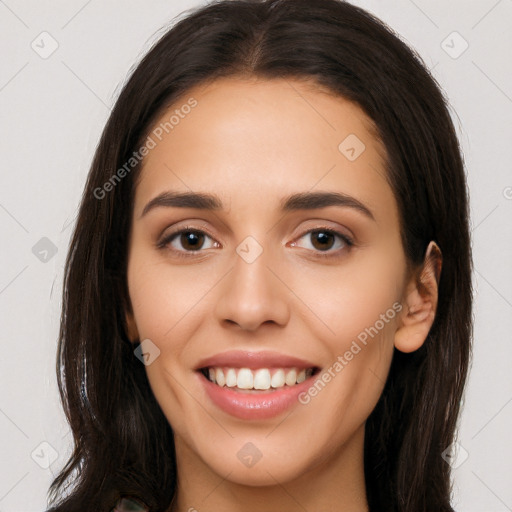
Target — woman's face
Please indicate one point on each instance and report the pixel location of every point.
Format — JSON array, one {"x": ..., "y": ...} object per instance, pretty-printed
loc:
[{"x": 290, "y": 273}]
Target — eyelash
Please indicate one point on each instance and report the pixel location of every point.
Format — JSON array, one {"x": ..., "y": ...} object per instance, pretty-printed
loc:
[{"x": 164, "y": 243}]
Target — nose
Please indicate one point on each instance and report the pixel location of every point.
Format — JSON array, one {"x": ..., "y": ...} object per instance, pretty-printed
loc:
[{"x": 252, "y": 294}]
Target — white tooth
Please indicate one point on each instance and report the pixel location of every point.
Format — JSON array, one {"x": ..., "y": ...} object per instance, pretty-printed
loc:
[
  {"x": 244, "y": 379},
  {"x": 277, "y": 380},
  {"x": 219, "y": 377},
  {"x": 262, "y": 379},
  {"x": 211, "y": 374},
  {"x": 291, "y": 377},
  {"x": 301, "y": 376},
  {"x": 231, "y": 378}
]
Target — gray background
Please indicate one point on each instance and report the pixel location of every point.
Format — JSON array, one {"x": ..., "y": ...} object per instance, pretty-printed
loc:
[{"x": 52, "y": 112}]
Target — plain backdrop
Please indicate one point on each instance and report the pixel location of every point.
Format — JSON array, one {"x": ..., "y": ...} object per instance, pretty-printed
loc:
[{"x": 62, "y": 65}]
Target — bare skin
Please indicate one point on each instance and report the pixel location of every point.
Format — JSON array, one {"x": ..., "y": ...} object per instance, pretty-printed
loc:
[{"x": 252, "y": 144}]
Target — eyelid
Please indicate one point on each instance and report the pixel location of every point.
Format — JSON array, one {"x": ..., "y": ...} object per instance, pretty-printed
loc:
[{"x": 323, "y": 226}]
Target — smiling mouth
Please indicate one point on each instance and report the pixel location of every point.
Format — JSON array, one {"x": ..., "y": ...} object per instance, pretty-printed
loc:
[{"x": 257, "y": 380}]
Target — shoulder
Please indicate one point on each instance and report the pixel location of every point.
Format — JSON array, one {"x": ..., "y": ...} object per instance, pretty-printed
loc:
[{"x": 129, "y": 505}]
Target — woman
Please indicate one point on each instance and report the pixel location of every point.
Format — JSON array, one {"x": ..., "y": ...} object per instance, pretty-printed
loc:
[{"x": 267, "y": 299}]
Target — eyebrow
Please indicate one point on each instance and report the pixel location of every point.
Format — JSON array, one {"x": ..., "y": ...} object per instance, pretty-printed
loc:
[{"x": 294, "y": 202}]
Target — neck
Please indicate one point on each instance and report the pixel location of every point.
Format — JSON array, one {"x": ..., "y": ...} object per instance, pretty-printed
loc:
[{"x": 336, "y": 484}]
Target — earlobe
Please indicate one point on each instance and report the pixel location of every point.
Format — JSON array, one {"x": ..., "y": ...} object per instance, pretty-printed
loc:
[
  {"x": 421, "y": 300},
  {"x": 131, "y": 328}
]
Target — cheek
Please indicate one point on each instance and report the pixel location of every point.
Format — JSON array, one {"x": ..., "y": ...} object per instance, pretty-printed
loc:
[
  {"x": 343, "y": 302},
  {"x": 352, "y": 384},
  {"x": 166, "y": 302},
  {"x": 358, "y": 306},
  {"x": 165, "y": 299}
]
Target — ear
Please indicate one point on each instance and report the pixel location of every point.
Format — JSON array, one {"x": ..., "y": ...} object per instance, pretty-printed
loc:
[
  {"x": 131, "y": 327},
  {"x": 420, "y": 305}
]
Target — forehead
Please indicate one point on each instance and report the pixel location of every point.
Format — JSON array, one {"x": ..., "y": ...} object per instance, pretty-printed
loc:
[{"x": 265, "y": 137}]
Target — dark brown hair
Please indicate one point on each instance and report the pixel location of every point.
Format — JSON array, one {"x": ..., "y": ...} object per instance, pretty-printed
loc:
[{"x": 123, "y": 443}]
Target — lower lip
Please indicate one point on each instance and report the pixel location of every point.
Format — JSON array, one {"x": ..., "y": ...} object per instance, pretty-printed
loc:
[{"x": 259, "y": 405}]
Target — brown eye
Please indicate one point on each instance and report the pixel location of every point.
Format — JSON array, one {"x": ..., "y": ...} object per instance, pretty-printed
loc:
[
  {"x": 326, "y": 241},
  {"x": 187, "y": 240},
  {"x": 191, "y": 240},
  {"x": 322, "y": 240}
]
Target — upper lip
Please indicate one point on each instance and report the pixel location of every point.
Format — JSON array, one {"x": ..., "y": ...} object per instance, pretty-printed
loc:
[{"x": 253, "y": 360}]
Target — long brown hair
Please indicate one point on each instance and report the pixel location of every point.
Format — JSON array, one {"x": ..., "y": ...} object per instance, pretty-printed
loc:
[{"x": 123, "y": 443}]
